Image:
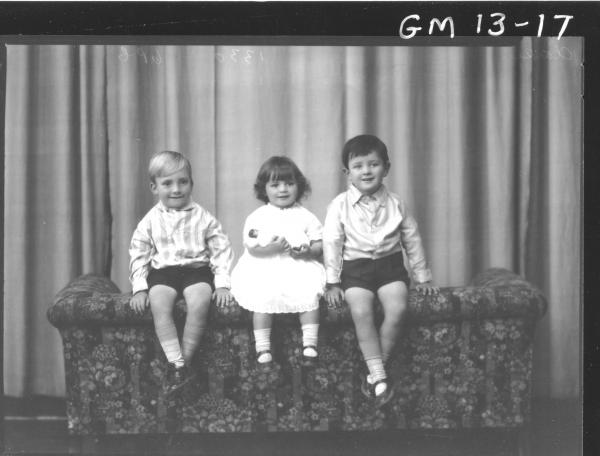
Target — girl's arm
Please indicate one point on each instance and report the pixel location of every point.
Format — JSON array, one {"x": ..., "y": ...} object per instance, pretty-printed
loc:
[
  {"x": 316, "y": 249},
  {"x": 277, "y": 245},
  {"x": 258, "y": 241},
  {"x": 308, "y": 252},
  {"x": 314, "y": 232}
]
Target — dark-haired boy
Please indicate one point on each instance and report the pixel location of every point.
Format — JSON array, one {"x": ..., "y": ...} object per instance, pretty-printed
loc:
[{"x": 365, "y": 233}]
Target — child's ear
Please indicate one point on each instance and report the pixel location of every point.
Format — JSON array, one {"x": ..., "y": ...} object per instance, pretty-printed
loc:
[
  {"x": 387, "y": 168},
  {"x": 153, "y": 188},
  {"x": 346, "y": 171}
]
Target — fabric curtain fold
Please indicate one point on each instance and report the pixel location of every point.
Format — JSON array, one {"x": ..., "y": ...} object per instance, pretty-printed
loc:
[{"x": 55, "y": 208}]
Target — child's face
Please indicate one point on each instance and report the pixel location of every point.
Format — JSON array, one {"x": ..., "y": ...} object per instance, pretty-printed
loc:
[
  {"x": 282, "y": 193},
  {"x": 367, "y": 172},
  {"x": 173, "y": 190}
]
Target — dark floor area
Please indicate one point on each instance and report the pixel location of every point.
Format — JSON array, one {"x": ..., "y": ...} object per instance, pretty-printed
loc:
[{"x": 38, "y": 426}]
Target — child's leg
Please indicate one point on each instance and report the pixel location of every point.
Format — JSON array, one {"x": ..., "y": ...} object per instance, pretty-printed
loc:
[
  {"x": 198, "y": 298},
  {"x": 393, "y": 297},
  {"x": 361, "y": 302},
  {"x": 262, "y": 335},
  {"x": 162, "y": 300},
  {"x": 310, "y": 332}
]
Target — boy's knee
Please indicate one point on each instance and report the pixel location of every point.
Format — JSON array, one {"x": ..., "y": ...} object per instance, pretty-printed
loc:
[
  {"x": 161, "y": 298},
  {"x": 395, "y": 315},
  {"x": 197, "y": 308},
  {"x": 198, "y": 297},
  {"x": 362, "y": 313}
]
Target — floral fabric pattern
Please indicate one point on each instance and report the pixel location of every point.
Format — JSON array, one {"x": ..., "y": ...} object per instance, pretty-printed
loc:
[{"x": 464, "y": 361}]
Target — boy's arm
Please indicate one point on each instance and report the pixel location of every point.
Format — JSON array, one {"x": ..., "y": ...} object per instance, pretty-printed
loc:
[
  {"x": 413, "y": 246},
  {"x": 333, "y": 243},
  {"x": 141, "y": 249},
  {"x": 221, "y": 253}
]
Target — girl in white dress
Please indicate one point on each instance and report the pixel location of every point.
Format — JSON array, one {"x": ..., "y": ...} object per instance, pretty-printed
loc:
[{"x": 280, "y": 271}]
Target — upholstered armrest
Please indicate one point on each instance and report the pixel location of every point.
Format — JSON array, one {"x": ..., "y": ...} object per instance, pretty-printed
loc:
[
  {"x": 95, "y": 300},
  {"x": 495, "y": 293}
]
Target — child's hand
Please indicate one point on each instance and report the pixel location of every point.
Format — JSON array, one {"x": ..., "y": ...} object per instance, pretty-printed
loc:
[
  {"x": 279, "y": 244},
  {"x": 139, "y": 302},
  {"x": 274, "y": 246},
  {"x": 301, "y": 253},
  {"x": 223, "y": 297},
  {"x": 334, "y": 296},
  {"x": 427, "y": 288}
]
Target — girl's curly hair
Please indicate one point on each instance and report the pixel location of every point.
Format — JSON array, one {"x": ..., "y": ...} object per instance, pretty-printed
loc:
[{"x": 280, "y": 168}]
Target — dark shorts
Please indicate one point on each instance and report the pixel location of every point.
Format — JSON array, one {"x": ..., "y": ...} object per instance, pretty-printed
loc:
[
  {"x": 373, "y": 274},
  {"x": 179, "y": 277}
]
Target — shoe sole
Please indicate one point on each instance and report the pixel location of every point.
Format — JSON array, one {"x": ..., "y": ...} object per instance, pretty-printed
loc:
[
  {"x": 365, "y": 388},
  {"x": 179, "y": 386},
  {"x": 309, "y": 361}
]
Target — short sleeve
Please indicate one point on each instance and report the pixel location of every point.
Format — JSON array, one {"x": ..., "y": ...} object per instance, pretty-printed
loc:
[{"x": 314, "y": 228}]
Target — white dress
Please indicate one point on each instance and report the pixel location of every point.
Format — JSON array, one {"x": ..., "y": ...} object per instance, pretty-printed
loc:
[{"x": 279, "y": 283}]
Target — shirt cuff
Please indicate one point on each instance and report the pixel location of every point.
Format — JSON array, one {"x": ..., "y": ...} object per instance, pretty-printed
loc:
[
  {"x": 222, "y": 281},
  {"x": 423, "y": 276},
  {"x": 333, "y": 277},
  {"x": 139, "y": 285}
]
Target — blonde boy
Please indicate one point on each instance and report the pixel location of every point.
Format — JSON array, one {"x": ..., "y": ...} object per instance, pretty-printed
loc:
[{"x": 178, "y": 249}]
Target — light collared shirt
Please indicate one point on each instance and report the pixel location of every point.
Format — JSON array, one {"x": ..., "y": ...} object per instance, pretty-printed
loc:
[
  {"x": 191, "y": 237},
  {"x": 371, "y": 226}
]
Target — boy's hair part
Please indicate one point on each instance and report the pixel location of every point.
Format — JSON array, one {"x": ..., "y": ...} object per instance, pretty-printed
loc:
[
  {"x": 168, "y": 162},
  {"x": 362, "y": 145},
  {"x": 280, "y": 168}
]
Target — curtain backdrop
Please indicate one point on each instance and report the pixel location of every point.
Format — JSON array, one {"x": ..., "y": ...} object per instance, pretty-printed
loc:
[{"x": 485, "y": 145}]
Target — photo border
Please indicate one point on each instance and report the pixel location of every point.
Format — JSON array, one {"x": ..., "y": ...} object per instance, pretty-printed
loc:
[{"x": 314, "y": 22}]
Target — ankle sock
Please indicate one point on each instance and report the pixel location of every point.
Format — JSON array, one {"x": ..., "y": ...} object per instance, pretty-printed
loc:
[
  {"x": 169, "y": 341},
  {"x": 262, "y": 338},
  {"x": 310, "y": 337},
  {"x": 376, "y": 373},
  {"x": 385, "y": 357},
  {"x": 192, "y": 334}
]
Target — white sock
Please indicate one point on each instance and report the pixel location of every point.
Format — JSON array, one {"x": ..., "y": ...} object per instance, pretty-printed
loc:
[
  {"x": 310, "y": 336},
  {"x": 192, "y": 335},
  {"x": 169, "y": 341},
  {"x": 376, "y": 373},
  {"x": 384, "y": 358},
  {"x": 262, "y": 339}
]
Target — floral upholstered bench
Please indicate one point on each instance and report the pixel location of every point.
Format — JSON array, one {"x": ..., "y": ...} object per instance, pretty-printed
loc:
[{"x": 464, "y": 361}]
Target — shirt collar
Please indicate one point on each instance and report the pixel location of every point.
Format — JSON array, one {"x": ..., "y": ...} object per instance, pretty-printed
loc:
[
  {"x": 380, "y": 195},
  {"x": 164, "y": 208}
]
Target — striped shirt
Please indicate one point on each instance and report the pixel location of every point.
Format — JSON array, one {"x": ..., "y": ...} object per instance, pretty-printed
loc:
[
  {"x": 189, "y": 237},
  {"x": 370, "y": 226}
]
